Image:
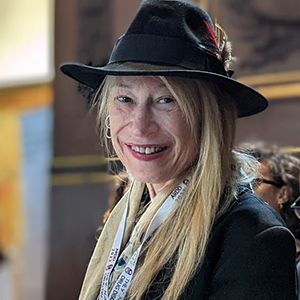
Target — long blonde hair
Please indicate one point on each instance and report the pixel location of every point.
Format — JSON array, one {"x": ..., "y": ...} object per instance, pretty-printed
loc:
[{"x": 217, "y": 172}]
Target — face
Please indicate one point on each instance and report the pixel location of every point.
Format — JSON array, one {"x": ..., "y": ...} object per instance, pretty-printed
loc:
[
  {"x": 267, "y": 192},
  {"x": 149, "y": 132}
]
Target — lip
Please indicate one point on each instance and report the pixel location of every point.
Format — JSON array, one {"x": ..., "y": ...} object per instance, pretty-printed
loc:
[{"x": 146, "y": 157}]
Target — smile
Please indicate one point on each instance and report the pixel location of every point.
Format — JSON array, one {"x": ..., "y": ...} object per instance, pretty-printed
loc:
[{"x": 147, "y": 150}]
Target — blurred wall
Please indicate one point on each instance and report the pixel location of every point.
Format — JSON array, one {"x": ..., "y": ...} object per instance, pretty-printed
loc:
[
  {"x": 26, "y": 72},
  {"x": 266, "y": 42}
]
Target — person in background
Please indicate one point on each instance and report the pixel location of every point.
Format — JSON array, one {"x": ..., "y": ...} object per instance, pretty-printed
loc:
[
  {"x": 295, "y": 228},
  {"x": 167, "y": 106},
  {"x": 278, "y": 182},
  {"x": 279, "y": 185}
]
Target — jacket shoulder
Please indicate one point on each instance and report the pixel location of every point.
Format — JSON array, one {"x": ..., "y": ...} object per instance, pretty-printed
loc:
[
  {"x": 250, "y": 255},
  {"x": 249, "y": 215}
]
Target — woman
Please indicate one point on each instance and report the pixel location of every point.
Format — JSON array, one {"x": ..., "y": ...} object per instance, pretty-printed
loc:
[
  {"x": 278, "y": 181},
  {"x": 278, "y": 185},
  {"x": 295, "y": 228},
  {"x": 167, "y": 107}
]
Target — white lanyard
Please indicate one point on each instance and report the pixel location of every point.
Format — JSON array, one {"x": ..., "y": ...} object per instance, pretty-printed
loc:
[{"x": 120, "y": 287}]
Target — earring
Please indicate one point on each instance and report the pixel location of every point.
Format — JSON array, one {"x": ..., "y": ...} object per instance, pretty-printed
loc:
[{"x": 107, "y": 125}]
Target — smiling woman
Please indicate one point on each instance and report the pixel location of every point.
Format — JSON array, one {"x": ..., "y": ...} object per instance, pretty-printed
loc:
[
  {"x": 149, "y": 130},
  {"x": 190, "y": 226}
]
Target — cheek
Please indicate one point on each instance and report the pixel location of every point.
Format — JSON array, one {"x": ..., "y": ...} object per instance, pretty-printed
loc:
[
  {"x": 187, "y": 144},
  {"x": 117, "y": 120},
  {"x": 266, "y": 193},
  {"x": 113, "y": 129},
  {"x": 185, "y": 136},
  {"x": 118, "y": 131},
  {"x": 260, "y": 190}
]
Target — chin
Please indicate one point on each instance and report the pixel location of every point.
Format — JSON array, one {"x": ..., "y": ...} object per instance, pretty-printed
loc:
[{"x": 147, "y": 178}]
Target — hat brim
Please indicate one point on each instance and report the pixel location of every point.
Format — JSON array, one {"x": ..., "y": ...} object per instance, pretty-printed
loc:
[{"x": 248, "y": 101}]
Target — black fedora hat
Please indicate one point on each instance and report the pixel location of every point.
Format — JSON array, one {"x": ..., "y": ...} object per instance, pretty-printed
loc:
[{"x": 170, "y": 38}]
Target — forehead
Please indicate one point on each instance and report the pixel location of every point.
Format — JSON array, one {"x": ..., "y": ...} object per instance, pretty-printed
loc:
[{"x": 137, "y": 82}]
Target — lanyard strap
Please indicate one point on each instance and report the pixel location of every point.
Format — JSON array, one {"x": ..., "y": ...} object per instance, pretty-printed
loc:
[
  {"x": 119, "y": 289},
  {"x": 113, "y": 255}
]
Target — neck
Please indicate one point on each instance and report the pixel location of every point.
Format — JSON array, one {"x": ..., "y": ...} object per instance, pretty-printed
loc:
[{"x": 155, "y": 188}]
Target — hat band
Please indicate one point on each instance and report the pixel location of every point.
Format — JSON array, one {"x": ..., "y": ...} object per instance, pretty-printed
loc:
[{"x": 161, "y": 50}]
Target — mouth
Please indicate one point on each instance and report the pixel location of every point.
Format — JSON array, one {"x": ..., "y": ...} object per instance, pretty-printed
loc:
[{"x": 147, "y": 150}]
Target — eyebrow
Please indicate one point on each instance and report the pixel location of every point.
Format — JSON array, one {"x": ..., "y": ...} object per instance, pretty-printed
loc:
[{"x": 122, "y": 85}]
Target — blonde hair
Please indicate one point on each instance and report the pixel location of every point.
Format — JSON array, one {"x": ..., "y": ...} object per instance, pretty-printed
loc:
[{"x": 216, "y": 174}]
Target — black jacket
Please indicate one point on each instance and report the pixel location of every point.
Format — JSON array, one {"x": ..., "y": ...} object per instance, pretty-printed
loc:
[{"x": 250, "y": 256}]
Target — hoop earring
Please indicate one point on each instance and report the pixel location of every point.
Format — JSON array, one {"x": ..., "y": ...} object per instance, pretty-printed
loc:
[{"x": 107, "y": 125}]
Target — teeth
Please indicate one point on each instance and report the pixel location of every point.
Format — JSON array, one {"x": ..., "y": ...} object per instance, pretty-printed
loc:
[{"x": 147, "y": 150}]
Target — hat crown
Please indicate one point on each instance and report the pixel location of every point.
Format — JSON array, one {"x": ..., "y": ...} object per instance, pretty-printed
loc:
[
  {"x": 170, "y": 33},
  {"x": 175, "y": 19}
]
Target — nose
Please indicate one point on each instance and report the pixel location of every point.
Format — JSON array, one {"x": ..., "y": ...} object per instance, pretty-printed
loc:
[{"x": 144, "y": 121}]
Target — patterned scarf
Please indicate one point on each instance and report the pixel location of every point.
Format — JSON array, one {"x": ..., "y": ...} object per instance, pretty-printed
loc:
[{"x": 92, "y": 281}]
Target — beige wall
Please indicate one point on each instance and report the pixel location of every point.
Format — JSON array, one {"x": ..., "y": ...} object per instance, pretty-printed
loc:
[{"x": 26, "y": 30}]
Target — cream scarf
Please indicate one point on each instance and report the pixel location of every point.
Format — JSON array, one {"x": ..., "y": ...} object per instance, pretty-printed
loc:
[{"x": 91, "y": 285}]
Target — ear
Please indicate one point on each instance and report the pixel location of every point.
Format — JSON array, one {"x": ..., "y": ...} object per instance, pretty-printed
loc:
[{"x": 283, "y": 195}]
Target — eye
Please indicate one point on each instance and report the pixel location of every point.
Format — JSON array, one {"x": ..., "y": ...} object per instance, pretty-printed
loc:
[
  {"x": 165, "y": 100},
  {"x": 123, "y": 99}
]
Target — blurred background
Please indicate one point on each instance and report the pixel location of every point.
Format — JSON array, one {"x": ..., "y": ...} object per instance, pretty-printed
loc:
[{"x": 54, "y": 183}]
